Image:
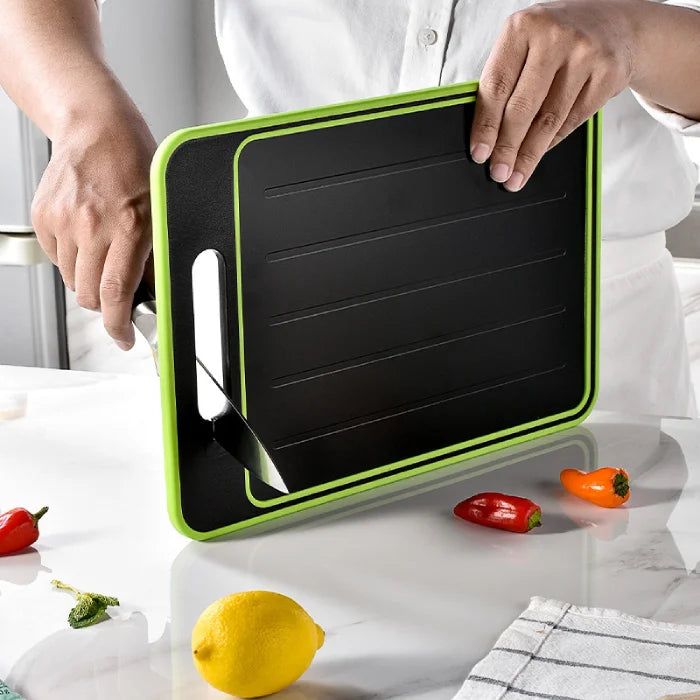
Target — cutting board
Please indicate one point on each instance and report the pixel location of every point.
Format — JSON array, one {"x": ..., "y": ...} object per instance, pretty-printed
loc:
[{"x": 386, "y": 307}]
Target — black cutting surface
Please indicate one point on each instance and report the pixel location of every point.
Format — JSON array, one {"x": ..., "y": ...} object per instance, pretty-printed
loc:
[{"x": 395, "y": 300}]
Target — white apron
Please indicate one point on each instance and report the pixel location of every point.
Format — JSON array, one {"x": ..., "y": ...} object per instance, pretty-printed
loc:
[
  {"x": 644, "y": 365},
  {"x": 289, "y": 54}
]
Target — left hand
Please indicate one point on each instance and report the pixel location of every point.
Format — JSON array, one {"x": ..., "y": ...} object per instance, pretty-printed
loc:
[{"x": 553, "y": 66}]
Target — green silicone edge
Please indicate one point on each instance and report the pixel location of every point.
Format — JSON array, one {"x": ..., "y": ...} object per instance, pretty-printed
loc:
[
  {"x": 271, "y": 502},
  {"x": 162, "y": 267},
  {"x": 337, "y": 495},
  {"x": 161, "y": 257},
  {"x": 595, "y": 132},
  {"x": 166, "y": 369}
]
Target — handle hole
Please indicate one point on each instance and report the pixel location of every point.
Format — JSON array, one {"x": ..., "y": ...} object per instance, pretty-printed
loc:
[{"x": 208, "y": 280}]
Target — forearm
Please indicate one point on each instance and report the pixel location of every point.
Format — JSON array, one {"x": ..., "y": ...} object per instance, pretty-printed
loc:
[
  {"x": 52, "y": 63},
  {"x": 666, "y": 62}
]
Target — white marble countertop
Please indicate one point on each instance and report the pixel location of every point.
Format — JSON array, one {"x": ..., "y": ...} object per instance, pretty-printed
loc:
[{"x": 410, "y": 597}]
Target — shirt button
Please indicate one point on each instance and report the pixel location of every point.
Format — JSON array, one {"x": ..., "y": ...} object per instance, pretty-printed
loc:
[{"x": 427, "y": 36}]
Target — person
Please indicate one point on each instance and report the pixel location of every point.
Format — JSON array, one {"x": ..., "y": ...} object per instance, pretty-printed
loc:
[{"x": 544, "y": 69}]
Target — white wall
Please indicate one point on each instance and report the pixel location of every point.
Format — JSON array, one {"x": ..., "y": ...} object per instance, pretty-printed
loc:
[
  {"x": 215, "y": 99},
  {"x": 14, "y": 205},
  {"x": 166, "y": 55},
  {"x": 150, "y": 46}
]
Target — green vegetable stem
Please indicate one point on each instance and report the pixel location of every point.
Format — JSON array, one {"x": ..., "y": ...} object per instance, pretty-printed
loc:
[{"x": 90, "y": 608}]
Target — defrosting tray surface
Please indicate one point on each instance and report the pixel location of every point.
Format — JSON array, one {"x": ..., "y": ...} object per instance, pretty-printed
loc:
[{"x": 388, "y": 308}]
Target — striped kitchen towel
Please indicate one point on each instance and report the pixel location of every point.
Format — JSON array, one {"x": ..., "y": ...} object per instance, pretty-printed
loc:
[{"x": 557, "y": 651}]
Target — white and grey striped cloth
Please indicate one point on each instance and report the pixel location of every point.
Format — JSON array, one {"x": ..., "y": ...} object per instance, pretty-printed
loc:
[{"x": 557, "y": 651}]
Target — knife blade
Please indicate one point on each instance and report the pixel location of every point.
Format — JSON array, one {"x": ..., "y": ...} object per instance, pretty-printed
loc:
[
  {"x": 233, "y": 432},
  {"x": 230, "y": 429}
]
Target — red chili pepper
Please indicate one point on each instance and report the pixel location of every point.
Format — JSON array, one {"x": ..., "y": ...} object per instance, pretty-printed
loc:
[
  {"x": 499, "y": 510},
  {"x": 18, "y": 529}
]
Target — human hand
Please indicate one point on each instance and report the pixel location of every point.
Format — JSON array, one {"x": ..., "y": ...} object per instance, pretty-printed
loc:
[
  {"x": 91, "y": 212},
  {"x": 553, "y": 66}
]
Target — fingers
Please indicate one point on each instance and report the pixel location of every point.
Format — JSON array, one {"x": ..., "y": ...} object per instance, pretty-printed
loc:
[
  {"x": 553, "y": 66},
  {"x": 583, "y": 108},
  {"x": 48, "y": 243},
  {"x": 102, "y": 266},
  {"x": 88, "y": 274},
  {"x": 496, "y": 86},
  {"x": 554, "y": 112},
  {"x": 523, "y": 106},
  {"x": 149, "y": 274},
  {"x": 123, "y": 270},
  {"x": 91, "y": 212},
  {"x": 43, "y": 230},
  {"x": 66, "y": 253}
]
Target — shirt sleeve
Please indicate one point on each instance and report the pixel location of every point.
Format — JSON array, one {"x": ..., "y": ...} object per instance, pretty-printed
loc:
[{"x": 669, "y": 118}]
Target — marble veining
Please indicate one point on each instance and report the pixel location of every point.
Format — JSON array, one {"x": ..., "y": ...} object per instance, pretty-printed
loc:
[{"x": 410, "y": 596}]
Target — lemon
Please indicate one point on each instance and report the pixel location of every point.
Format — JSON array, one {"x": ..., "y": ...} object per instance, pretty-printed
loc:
[{"x": 254, "y": 643}]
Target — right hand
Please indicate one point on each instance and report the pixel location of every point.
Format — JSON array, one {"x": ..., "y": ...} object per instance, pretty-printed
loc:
[{"x": 91, "y": 213}]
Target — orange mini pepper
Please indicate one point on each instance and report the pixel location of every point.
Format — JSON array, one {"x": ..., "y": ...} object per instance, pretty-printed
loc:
[{"x": 607, "y": 487}]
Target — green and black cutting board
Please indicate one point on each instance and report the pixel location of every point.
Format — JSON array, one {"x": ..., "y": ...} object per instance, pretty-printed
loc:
[{"x": 387, "y": 307}]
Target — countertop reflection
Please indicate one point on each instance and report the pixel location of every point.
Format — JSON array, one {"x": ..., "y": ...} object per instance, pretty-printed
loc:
[{"x": 410, "y": 597}]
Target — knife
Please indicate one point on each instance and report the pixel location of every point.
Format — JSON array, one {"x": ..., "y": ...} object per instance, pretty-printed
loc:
[{"x": 230, "y": 429}]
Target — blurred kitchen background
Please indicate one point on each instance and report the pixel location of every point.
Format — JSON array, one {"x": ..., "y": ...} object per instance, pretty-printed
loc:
[{"x": 171, "y": 67}]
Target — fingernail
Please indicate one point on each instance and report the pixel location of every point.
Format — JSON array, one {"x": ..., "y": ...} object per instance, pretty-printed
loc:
[
  {"x": 123, "y": 345},
  {"x": 500, "y": 172},
  {"x": 480, "y": 152},
  {"x": 515, "y": 182}
]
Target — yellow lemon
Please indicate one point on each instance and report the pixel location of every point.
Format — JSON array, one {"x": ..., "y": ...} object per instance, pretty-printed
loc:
[{"x": 254, "y": 643}]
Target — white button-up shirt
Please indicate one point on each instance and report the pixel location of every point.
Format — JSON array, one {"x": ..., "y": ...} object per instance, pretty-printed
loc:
[{"x": 290, "y": 54}]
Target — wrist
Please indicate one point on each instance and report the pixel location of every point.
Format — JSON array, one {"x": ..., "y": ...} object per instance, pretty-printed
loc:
[
  {"x": 95, "y": 104},
  {"x": 644, "y": 30}
]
